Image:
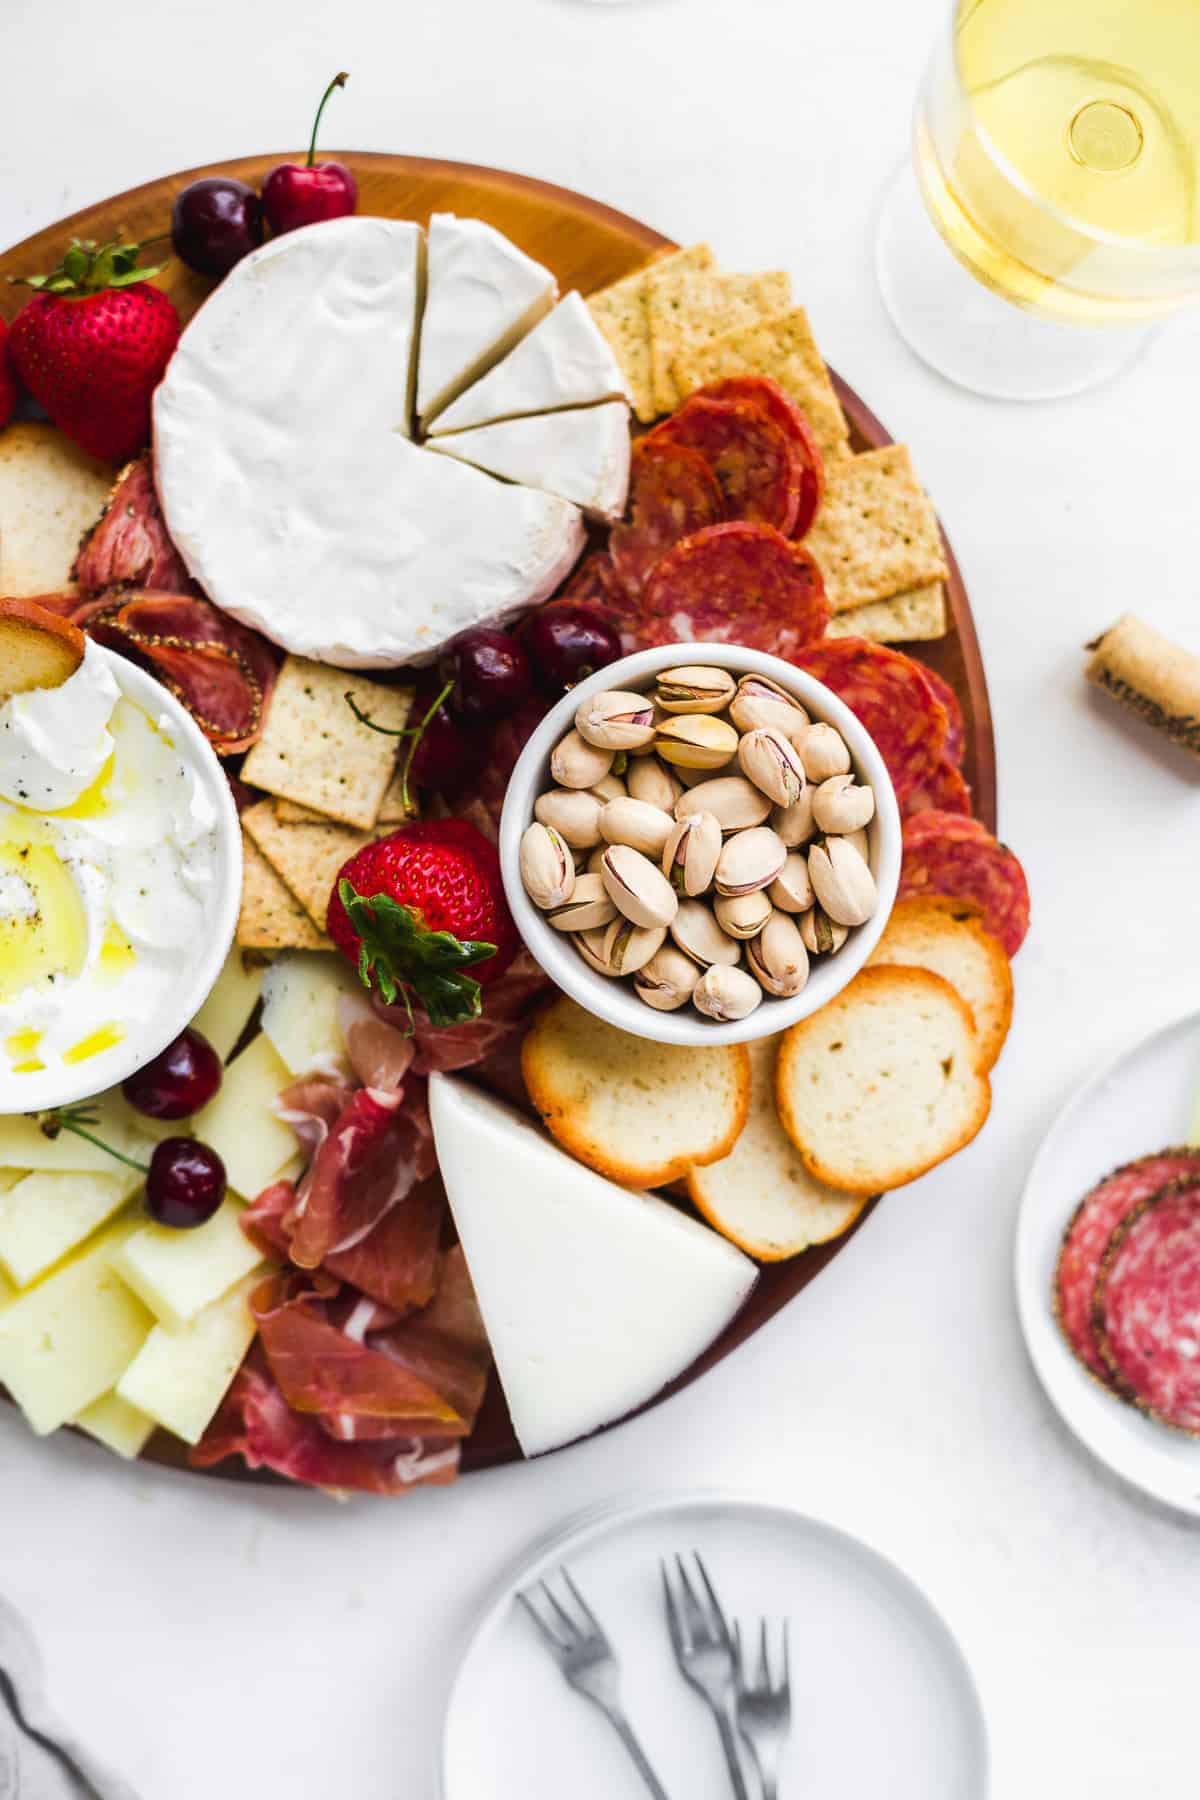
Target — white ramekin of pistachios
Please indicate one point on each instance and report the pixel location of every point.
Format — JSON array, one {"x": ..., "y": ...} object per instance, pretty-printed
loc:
[{"x": 700, "y": 844}]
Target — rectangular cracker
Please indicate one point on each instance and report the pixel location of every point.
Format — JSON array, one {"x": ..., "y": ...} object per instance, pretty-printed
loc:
[
  {"x": 688, "y": 310},
  {"x": 314, "y": 751},
  {"x": 876, "y": 534},
  {"x": 271, "y": 917},
  {"x": 392, "y": 810},
  {"x": 620, "y": 312},
  {"x": 784, "y": 348},
  {"x": 909, "y": 618},
  {"x": 306, "y": 857}
]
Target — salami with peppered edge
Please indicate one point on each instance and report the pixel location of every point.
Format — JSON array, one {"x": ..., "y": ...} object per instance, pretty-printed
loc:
[
  {"x": 942, "y": 789},
  {"x": 754, "y": 461},
  {"x": 1146, "y": 1306},
  {"x": 767, "y": 395},
  {"x": 672, "y": 493},
  {"x": 957, "y": 857},
  {"x": 956, "y": 739},
  {"x": 736, "y": 584},
  {"x": 888, "y": 692}
]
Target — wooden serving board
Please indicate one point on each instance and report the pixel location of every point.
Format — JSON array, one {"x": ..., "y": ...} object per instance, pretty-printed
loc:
[{"x": 587, "y": 245}]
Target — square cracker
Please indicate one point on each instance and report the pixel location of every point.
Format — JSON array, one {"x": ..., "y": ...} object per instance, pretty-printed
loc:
[
  {"x": 620, "y": 312},
  {"x": 784, "y": 348},
  {"x": 314, "y": 751},
  {"x": 305, "y": 857},
  {"x": 392, "y": 810},
  {"x": 876, "y": 534},
  {"x": 909, "y": 618},
  {"x": 688, "y": 310},
  {"x": 271, "y": 917}
]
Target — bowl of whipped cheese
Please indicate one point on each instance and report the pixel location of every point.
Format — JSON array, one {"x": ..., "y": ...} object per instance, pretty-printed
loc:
[{"x": 120, "y": 878}]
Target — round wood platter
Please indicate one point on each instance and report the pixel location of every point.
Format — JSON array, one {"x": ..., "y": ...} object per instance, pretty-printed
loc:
[{"x": 587, "y": 245}]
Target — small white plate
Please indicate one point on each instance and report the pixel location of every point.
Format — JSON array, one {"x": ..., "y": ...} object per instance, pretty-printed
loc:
[
  {"x": 882, "y": 1700},
  {"x": 1142, "y": 1102}
]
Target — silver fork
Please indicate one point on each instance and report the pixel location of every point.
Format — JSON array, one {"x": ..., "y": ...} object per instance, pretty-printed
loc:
[
  {"x": 764, "y": 1708},
  {"x": 704, "y": 1650},
  {"x": 589, "y": 1664}
]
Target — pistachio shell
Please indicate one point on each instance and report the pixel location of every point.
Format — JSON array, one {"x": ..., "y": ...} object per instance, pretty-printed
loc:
[
  {"x": 842, "y": 882},
  {"x": 725, "y": 994},
  {"x": 761, "y": 702},
  {"x": 822, "y": 751},
  {"x": 698, "y": 935},
  {"x": 576, "y": 764},
  {"x": 840, "y": 805},
  {"x": 821, "y": 935},
  {"x": 650, "y": 780},
  {"x": 795, "y": 823},
  {"x": 734, "y": 802},
  {"x": 689, "y": 858},
  {"x": 696, "y": 741},
  {"x": 690, "y": 778},
  {"x": 766, "y": 758},
  {"x": 694, "y": 688},
  {"x": 610, "y": 787},
  {"x": 778, "y": 958},
  {"x": 667, "y": 980},
  {"x": 629, "y": 947},
  {"x": 792, "y": 891},
  {"x": 588, "y": 908},
  {"x": 573, "y": 813},
  {"x": 636, "y": 822},
  {"x": 742, "y": 915},
  {"x": 750, "y": 860},
  {"x": 636, "y": 887},
  {"x": 616, "y": 720},
  {"x": 547, "y": 866},
  {"x": 860, "y": 842},
  {"x": 590, "y": 945}
]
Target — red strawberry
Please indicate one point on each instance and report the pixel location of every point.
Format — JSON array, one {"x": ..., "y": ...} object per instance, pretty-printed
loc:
[
  {"x": 415, "y": 910},
  {"x": 8, "y": 381},
  {"x": 92, "y": 344}
]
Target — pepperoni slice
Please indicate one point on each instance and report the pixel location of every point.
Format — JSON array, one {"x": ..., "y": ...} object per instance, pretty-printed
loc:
[
  {"x": 943, "y": 789},
  {"x": 597, "y": 583},
  {"x": 767, "y": 395},
  {"x": 1146, "y": 1307},
  {"x": 956, "y": 741},
  {"x": 888, "y": 692},
  {"x": 672, "y": 493},
  {"x": 736, "y": 584},
  {"x": 753, "y": 459},
  {"x": 960, "y": 859}
]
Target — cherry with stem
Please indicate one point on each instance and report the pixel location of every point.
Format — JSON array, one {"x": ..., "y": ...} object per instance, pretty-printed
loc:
[{"x": 185, "y": 1181}]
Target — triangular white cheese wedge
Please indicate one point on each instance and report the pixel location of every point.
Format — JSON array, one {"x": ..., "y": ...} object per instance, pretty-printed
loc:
[
  {"x": 582, "y": 455},
  {"x": 594, "y": 1298},
  {"x": 482, "y": 294},
  {"x": 565, "y": 361}
]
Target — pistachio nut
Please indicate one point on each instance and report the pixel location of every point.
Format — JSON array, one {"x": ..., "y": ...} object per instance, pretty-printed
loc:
[
  {"x": 822, "y": 751},
  {"x": 726, "y": 994},
  {"x": 690, "y": 778},
  {"x": 698, "y": 935},
  {"x": 590, "y": 945},
  {"x": 629, "y": 947},
  {"x": 616, "y": 720},
  {"x": 742, "y": 915},
  {"x": 595, "y": 861},
  {"x": 637, "y": 887},
  {"x": 610, "y": 787},
  {"x": 696, "y": 741},
  {"x": 588, "y": 908},
  {"x": 689, "y": 858},
  {"x": 842, "y": 881},
  {"x": 667, "y": 980},
  {"x": 778, "y": 958},
  {"x": 861, "y": 843},
  {"x": 547, "y": 866},
  {"x": 573, "y": 813},
  {"x": 792, "y": 891},
  {"x": 840, "y": 805},
  {"x": 636, "y": 822},
  {"x": 577, "y": 764},
  {"x": 795, "y": 823},
  {"x": 819, "y": 932},
  {"x": 734, "y": 802},
  {"x": 766, "y": 758},
  {"x": 750, "y": 860},
  {"x": 695, "y": 689},
  {"x": 650, "y": 780},
  {"x": 759, "y": 703},
  {"x": 581, "y": 858}
]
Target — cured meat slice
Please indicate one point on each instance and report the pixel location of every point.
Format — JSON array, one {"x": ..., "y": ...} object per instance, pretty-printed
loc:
[
  {"x": 672, "y": 493},
  {"x": 1146, "y": 1308},
  {"x": 1087, "y": 1238},
  {"x": 956, "y": 736},
  {"x": 959, "y": 858},
  {"x": 738, "y": 583},
  {"x": 888, "y": 692},
  {"x": 374, "y": 1154},
  {"x": 943, "y": 789},
  {"x": 130, "y": 546},
  {"x": 396, "y": 1264},
  {"x": 767, "y": 395},
  {"x": 756, "y": 463}
]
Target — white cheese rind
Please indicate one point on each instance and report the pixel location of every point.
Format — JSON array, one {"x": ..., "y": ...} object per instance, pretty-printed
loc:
[
  {"x": 594, "y": 1297},
  {"x": 482, "y": 294},
  {"x": 565, "y": 361},
  {"x": 582, "y": 455}
]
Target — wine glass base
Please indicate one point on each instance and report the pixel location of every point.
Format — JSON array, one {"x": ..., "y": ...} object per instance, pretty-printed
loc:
[{"x": 969, "y": 334}]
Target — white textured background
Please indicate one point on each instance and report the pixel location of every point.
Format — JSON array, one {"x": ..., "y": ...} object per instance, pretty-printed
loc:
[{"x": 212, "y": 1640}]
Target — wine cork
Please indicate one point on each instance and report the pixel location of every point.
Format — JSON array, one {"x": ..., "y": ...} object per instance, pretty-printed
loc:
[{"x": 1155, "y": 677}]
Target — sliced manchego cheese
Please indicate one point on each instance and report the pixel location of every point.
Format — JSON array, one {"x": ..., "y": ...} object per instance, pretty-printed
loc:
[
  {"x": 240, "y": 1123},
  {"x": 24, "y": 1145},
  {"x": 300, "y": 1010},
  {"x": 222, "y": 1019},
  {"x": 52, "y": 1211},
  {"x": 116, "y": 1424},
  {"x": 179, "y": 1378},
  {"x": 178, "y": 1273}
]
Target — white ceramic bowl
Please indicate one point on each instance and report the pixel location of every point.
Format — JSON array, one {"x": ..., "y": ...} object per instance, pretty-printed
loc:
[
  {"x": 615, "y": 1001},
  {"x": 197, "y": 974}
]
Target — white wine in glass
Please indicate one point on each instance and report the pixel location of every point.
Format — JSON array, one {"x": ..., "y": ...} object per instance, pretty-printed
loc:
[{"x": 1056, "y": 154}]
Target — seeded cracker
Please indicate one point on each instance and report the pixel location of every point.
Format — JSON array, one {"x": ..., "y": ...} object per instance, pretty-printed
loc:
[
  {"x": 784, "y": 348},
  {"x": 876, "y": 534},
  {"x": 314, "y": 751},
  {"x": 271, "y": 917},
  {"x": 620, "y": 312},
  {"x": 688, "y": 310},
  {"x": 909, "y": 618},
  {"x": 306, "y": 857}
]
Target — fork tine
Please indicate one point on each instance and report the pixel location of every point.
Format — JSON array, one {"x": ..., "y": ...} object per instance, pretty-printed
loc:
[
  {"x": 561, "y": 1612},
  {"x": 695, "y": 1623},
  {"x": 785, "y": 1686},
  {"x": 739, "y": 1672},
  {"x": 722, "y": 1626},
  {"x": 674, "y": 1622},
  {"x": 764, "y": 1667},
  {"x": 552, "y": 1638},
  {"x": 594, "y": 1624}
]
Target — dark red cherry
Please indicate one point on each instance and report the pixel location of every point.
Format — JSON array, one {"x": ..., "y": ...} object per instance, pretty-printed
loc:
[
  {"x": 568, "y": 643},
  {"x": 215, "y": 222},
  {"x": 304, "y": 193},
  {"x": 444, "y": 751},
  {"x": 490, "y": 672},
  {"x": 181, "y": 1079},
  {"x": 185, "y": 1184}
]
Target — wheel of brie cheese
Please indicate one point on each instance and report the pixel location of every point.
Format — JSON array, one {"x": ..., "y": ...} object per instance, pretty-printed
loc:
[{"x": 372, "y": 437}]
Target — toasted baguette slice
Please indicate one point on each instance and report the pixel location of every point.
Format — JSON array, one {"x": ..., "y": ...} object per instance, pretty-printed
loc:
[
  {"x": 51, "y": 491},
  {"x": 761, "y": 1196},
  {"x": 37, "y": 649},
  {"x": 883, "y": 1082},
  {"x": 638, "y": 1112},
  {"x": 948, "y": 937}
]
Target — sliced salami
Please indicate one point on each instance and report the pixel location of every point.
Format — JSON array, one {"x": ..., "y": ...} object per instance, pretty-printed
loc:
[
  {"x": 959, "y": 858},
  {"x": 597, "y": 583},
  {"x": 736, "y": 584},
  {"x": 1146, "y": 1307},
  {"x": 672, "y": 493},
  {"x": 956, "y": 739},
  {"x": 755, "y": 462},
  {"x": 942, "y": 790},
  {"x": 888, "y": 692},
  {"x": 1087, "y": 1238},
  {"x": 767, "y": 395}
]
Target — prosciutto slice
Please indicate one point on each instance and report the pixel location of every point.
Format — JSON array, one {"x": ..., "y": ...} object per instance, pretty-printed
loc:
[
  {"x": 130, "y": 546},
  {"x": 511, "y": 1002},
  {"x": 395, "y": 1265},
  {"x": 372, "y": 1156}
]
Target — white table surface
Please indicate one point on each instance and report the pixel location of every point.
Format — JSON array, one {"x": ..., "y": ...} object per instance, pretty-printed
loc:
[{"x": 218, "y": 1640}]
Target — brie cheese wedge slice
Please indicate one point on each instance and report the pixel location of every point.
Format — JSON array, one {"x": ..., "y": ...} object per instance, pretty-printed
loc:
[
  {"x": 581, "y": 455},
  {"x": 594, "y": 1298},
  {"x": 564, "y": 361},
  {"x": 482, "y": 295}
]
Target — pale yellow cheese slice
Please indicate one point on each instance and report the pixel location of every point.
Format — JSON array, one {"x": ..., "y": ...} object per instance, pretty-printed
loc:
[
  {"x": 178, "y": 1273},
  {"x": 116, "y": 1424},
  {"x": 179, "y": 1378},
  {"x": 240, "y": 1124},
  {"x": 52, "y": 1211},
  {"x": 222, "y": 1018}
]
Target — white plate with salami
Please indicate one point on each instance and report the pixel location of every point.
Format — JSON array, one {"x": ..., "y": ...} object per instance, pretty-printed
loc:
[{"x": 1105, "y": 1265}]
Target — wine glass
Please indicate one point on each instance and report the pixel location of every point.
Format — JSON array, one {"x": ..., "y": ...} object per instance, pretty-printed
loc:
[{"x": 1051, "y": 210}]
